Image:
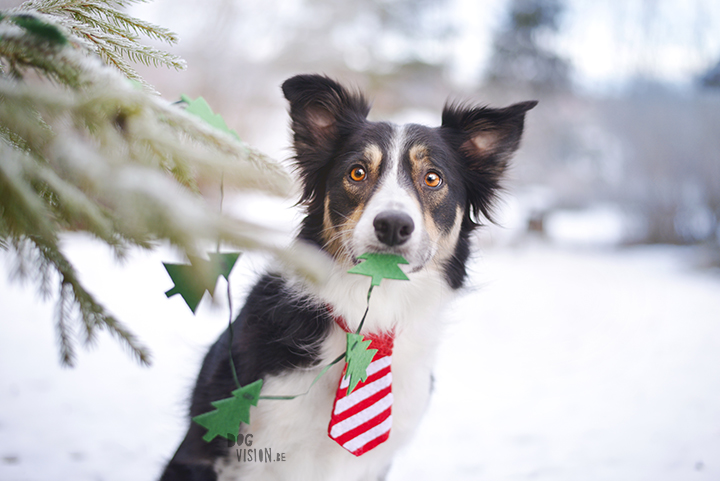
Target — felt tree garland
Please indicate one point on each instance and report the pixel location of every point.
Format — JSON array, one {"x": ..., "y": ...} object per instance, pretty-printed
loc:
[
  {"x": 193, "y": 280},
  {"x": 225, "y": 419},
  {"x": 357, "y": 356},
  {"x": 230, "y": 412}
]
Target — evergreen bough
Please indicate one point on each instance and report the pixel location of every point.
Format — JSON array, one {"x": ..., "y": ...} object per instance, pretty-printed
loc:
[{"x": 87, "y": 145}]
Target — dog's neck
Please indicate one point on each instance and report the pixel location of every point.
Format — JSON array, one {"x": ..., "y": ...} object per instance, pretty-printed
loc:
[{"x": 394, "y": 304}]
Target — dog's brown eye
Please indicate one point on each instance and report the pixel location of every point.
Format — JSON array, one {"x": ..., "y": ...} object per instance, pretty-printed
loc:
[
  {"x": 432, "y": 179},
  {"x": 358, "y": 173}
]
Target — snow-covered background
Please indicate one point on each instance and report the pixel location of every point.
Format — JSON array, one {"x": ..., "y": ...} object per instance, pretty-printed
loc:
[
  {"x": 572, "y": 358},
  {"x": 562, "y": 363}
]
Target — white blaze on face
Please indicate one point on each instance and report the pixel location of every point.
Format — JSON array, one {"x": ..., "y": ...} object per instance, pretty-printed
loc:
[{"x": 393, "y": 193}]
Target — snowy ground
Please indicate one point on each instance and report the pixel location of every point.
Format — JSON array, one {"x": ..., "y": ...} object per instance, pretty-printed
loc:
[{"x": 563, "y": 365}]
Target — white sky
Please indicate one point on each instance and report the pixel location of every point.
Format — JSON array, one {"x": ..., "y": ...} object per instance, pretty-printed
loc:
[{"x": 608, "y": 41}]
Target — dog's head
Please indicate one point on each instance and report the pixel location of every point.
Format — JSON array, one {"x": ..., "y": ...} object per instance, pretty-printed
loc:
[{"x": 409, "y": 190}]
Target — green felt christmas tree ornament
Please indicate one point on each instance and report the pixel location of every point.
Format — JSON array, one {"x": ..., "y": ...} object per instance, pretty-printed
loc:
[
  {"x": 194, "y": 279},
  {"x": 225, "y": 419},
  {"x": 380, "y": 266},
  {"x": 358, "y": 357}
]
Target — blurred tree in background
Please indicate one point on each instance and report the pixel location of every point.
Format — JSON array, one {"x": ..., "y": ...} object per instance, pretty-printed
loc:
[
  {"x": 711, "y": 78},
  {"x": 647, "y": 150},
  {"x": 522, "y": 51}
]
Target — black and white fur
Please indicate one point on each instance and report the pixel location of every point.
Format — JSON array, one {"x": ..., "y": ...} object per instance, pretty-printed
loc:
[{"x": 367, "y": 186}]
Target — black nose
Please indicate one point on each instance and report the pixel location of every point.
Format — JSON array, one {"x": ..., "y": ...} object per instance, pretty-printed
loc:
[{"x": 393, "y": 227}]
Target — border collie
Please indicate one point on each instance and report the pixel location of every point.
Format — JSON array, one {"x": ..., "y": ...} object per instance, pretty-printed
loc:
[{"x": 407, "y": 190}]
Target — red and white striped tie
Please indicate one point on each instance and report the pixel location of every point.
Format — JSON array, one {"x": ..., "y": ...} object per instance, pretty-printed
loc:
[{"x": 362, "y": 420}]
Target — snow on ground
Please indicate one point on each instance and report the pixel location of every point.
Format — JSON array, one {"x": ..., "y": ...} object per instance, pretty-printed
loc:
[
  {"x": 578, "y": 366},
  {"x": 561, "y": 365}
]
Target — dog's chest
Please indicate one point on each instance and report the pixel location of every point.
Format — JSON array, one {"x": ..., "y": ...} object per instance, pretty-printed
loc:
[{"x": 297, "y": 430}]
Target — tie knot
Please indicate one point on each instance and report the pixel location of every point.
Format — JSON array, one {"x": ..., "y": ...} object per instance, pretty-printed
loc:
[{"x": 382, "y": 341}]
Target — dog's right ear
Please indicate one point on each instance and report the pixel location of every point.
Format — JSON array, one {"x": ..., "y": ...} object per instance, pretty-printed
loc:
[
  {"x": 318, "y": 108},
  {"x": 321, "y": 111}
]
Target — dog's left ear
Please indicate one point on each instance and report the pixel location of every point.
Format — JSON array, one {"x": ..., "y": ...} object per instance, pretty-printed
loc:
[{"x": 486, "y": 139}]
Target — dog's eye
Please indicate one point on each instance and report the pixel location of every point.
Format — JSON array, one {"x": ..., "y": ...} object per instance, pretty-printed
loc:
[
  {"x": 433, "y": 179},
  {"x": 358, "y": 173}
]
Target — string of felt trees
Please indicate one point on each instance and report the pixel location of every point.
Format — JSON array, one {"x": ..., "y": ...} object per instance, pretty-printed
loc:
[{"x": 201, "y": 275}]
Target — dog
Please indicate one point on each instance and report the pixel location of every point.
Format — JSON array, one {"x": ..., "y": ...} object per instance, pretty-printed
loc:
[{"x": 408, "y": 190}]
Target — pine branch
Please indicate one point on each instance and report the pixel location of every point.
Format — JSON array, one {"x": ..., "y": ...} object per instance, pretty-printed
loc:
[
  {"x": 123, "y": 22},
  {"x": 63, "y": 308},
  {"x": 92, "y": 314},
  {"x": 23, "y": 213},
  {"x": 101, "y": 28},
  {"x": 91, "y": 152}
]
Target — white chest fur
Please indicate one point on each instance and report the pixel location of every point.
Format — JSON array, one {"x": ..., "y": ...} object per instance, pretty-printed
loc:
[{"x": 297, "y": 429}]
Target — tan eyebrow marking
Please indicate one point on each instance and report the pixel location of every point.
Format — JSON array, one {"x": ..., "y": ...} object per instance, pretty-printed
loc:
[
  {"x": 418, "y": 159},
  {"x": 374, "y": 156}
]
